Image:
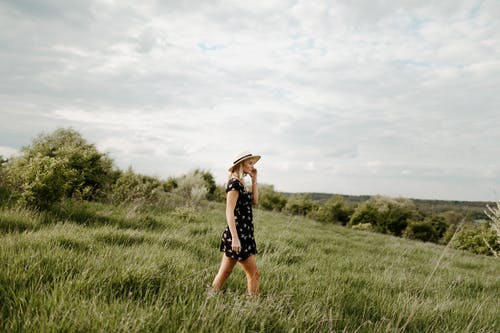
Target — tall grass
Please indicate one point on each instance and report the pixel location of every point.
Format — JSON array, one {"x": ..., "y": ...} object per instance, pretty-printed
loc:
[
  {"x": 493, "y": 214},
  {"x": 97, "y": 268}
]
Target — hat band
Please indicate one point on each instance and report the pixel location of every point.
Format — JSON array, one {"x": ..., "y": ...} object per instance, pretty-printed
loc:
[{"x": 242, "y": 158}]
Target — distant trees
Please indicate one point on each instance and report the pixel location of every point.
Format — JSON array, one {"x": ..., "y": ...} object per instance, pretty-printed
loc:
[
  {"x": 386, "y": 215},
  {"x": 395, "y": 216},
  {"x": 334, "y": 210},
  {"x": 299, "y": 204},
  {"x": 269, "y": 199}
]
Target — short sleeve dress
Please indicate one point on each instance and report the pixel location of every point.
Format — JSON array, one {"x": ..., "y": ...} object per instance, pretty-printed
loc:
[{"x": 244, "y": 224}]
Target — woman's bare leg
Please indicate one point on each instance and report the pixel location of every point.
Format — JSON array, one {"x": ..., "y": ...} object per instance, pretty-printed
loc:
[
  {"x": 226, "y": 267},
  {"x": 250, "y": 267}
]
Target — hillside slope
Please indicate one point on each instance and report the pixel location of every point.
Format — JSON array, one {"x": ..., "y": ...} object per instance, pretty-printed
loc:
[{"x": 97, "y": 268}]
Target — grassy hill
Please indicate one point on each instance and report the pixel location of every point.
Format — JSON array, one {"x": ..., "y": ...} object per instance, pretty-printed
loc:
[{"x": 96, "y": 268}]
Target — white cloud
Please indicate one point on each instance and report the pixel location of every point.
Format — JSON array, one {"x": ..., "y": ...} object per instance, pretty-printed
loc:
[
  {"x": 8, "y": 152},
  {"x": 376, "y": 97}
]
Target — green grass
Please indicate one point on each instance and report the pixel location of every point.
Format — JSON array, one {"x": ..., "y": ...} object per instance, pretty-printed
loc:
[{"x": 90, "y": 267}]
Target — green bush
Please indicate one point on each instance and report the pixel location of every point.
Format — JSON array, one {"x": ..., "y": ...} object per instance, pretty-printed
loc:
[
  {"x": 299, "y": 204},
  {"x": 452, "y": 217},
  {"x": 452, "y": 220},
  {"x": 134, "y": 188},
  {"x": 40, "y": 181},
  {"x": 421, "y": 230},
  {"x": 365, "y": 212},
  {"x": 57, "y": 165},
  {"x": 476, "y": 239},
  {"x": 269, "y": 199},
  {"x": 191, "y": 189},
  {"x": 209, "y": 183},
  {"x": 387, "y": 215},
  {"x": 429, "y": 230},
  {"x": 146, "y": 191},
  {"x": 448, "y": 235},
  {"x": 440, "y": 225},
  {"x": 169, "y": 184},
  {"x": 220, "y": 193},
  {"x": 334, "y": 210}
]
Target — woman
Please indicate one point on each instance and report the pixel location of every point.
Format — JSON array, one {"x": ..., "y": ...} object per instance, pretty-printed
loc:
[{"x": 238, "y": 242}]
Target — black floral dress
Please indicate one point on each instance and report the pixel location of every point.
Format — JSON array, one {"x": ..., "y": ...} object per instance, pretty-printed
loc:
[{"x": 244, "y": 224}]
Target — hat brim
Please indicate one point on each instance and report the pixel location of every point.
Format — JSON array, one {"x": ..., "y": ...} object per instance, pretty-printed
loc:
[{"x": 254, "y": 158}]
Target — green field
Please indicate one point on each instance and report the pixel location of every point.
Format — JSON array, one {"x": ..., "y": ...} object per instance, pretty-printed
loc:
[{"x": 92, "y": 267}]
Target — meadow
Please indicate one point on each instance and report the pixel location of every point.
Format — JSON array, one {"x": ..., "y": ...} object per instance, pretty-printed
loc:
[{"x": 93, "y": 267}]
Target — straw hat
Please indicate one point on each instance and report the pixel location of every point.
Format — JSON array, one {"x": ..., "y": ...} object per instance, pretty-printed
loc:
[{"x": 243, "y": 157}]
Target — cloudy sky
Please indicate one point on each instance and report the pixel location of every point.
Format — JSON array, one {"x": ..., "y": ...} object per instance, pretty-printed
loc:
[{"x": 400, "y": 98}]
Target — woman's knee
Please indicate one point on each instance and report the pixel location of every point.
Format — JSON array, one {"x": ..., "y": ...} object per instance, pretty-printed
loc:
[
  {"x": 253, "y": 274},
  {"x": 226, "y": 272}
]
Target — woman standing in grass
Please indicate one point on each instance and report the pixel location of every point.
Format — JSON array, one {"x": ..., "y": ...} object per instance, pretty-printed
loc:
[{"x": 238, "y": 242}]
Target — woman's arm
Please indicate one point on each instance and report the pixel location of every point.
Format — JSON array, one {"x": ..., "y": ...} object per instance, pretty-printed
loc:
[{"x": 232, "y": 198}]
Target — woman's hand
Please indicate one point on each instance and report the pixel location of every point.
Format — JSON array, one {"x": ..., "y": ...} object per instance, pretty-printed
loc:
[
  {"x": 253, "y": 174},
  {"x": 236, "y": 245}
]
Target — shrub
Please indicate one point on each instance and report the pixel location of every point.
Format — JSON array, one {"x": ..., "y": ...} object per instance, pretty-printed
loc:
[
  {"x": 191, "y": 188},
  {"x": 131, "y": 187},
  {"x": 439, "y": 224},
  {"x": 476, "y": 239},
  {"x": 429, "y": 230},
  {"x": 209, "y": 182},
  {"x": 57, "y": 165},
  {"x": 452, "y": 217},
  {"x": 147, "y": 192},
  {"x": 365, "y": 212},
  {"x": 420, "y": 230},
  {"x": 169, "y": 184},
  {"x": 299, "y": 204},
  {"x": 220, "y": 193},
  {"x": 40, "y": 181},
  {"x": 387, "y": 215},
  {"x": 334, "y": 210},
  {"x": 269, "y": 199},
  {"x": 448, "y": 235}
]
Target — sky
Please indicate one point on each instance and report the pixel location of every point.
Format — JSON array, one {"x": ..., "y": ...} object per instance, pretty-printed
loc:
[{"x": 397, "y": 98}]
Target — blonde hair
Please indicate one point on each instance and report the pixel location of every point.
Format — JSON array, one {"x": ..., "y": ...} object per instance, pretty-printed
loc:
[{"x": 237, "y": 172}]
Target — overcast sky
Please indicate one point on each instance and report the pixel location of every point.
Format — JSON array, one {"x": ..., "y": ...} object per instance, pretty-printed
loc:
[{"x": 400, "y": 98}]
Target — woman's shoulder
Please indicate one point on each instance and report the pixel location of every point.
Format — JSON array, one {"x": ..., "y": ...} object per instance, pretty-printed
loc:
[{"x": 234, "y": 184}]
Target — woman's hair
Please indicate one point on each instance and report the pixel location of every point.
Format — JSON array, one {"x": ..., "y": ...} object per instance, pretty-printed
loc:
[{"x": 238, "y": 173}]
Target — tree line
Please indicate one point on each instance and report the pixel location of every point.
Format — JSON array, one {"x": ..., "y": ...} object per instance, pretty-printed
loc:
[{"x": 63, "y": 166}]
